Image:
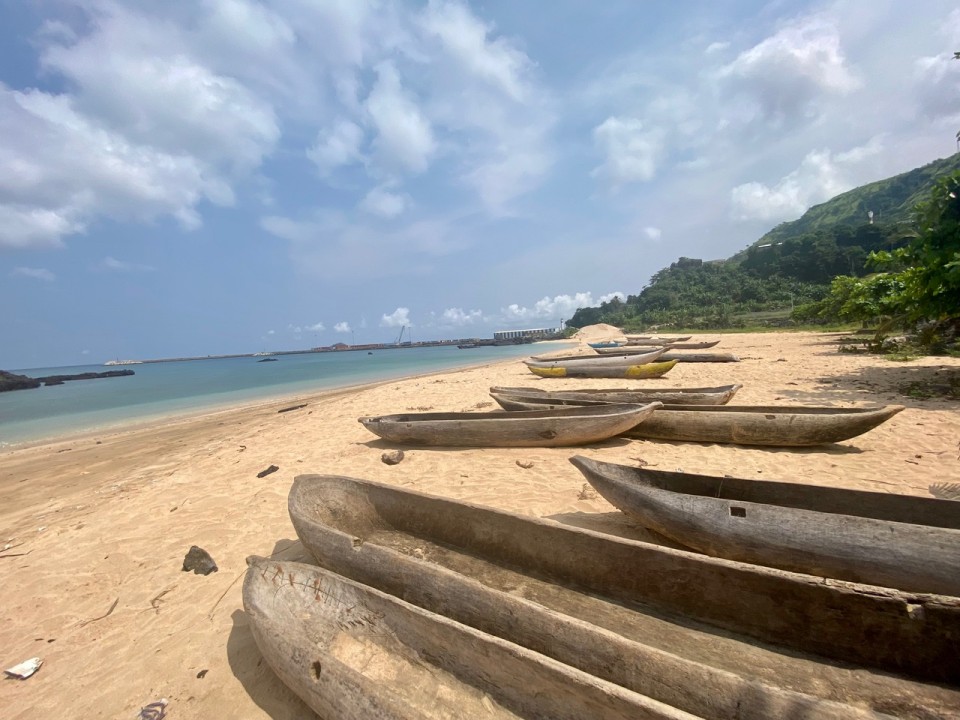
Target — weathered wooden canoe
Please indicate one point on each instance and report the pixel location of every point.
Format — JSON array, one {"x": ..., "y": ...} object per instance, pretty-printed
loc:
[
  {"x": 781, "y": 426},
  {"x": 591, "y": 370},
  {"x": 640, "y": 339},
  {"x": 536, "y": 428},
  {"x": 638, "y": 614},
  {"x": 903, "y": 555},
  {"x": 650, "y": 355},
  {"x": 681, "y": 356},
  {"x": 523, "y": 398},
  {"x": 607, "y": 343},
  {"x": 660, "y": 343},
  {"x": 350, "y": 651}
]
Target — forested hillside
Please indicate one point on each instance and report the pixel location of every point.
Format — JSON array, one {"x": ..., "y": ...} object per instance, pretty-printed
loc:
[{"x": 791, "y": 265}]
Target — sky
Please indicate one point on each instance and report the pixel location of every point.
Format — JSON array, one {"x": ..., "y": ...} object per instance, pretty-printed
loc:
[{"x": 199, "y": 177}]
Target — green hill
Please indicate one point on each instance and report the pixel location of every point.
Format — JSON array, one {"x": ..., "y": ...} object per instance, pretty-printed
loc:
[
  {"x": 791, "y": 265},
  {"x": 891, "y": 201}
]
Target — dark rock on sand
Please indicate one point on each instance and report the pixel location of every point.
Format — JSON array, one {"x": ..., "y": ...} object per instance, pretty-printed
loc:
[{"x": 199, "y": 560}]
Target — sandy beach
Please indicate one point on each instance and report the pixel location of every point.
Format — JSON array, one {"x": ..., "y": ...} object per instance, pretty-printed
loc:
[{"x": 95, "y": 529}]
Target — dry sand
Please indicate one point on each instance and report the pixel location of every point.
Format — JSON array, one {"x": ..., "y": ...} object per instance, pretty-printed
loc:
[{"x": 98, "y": 526}]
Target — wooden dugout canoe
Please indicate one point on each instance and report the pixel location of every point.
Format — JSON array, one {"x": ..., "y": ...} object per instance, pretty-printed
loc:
[
  {"x": 652, "y": 343},
  {"x": 780, "y": 426},
  {"x": 650, "y": 355},
  {"x": 640, "y": 339},
  {"x": 910, "y": 556},
  {"x": 614, "y": 607},
  {"x": 590, "y": 370},
  {"x": 537, "y": 428},
  {"x": 350, "y": 651},
  {"x": 523, "y": 398}
]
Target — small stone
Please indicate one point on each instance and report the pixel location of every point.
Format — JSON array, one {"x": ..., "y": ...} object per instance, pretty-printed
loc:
[
  {"x": 199, "y": 560},
  {"x": 525, "y": 465},
  {"x": 392, "y": 458}
]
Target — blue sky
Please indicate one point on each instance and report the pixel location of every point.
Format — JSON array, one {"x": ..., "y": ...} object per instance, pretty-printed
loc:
[{"x": 215, "y": 176}]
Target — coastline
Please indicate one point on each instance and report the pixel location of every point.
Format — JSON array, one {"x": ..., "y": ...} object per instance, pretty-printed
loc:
[{"x": 101, "y": 521}]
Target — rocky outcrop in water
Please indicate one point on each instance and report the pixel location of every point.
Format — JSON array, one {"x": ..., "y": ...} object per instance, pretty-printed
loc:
[{"x": 12, "y": 381}]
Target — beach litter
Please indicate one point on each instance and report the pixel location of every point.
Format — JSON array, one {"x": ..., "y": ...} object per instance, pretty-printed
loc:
[
  {"x": 25, "y": 669},
  {"x": 264, "y": 473},
  {"x": 154, "y": 711},
  {"x": 199, "y": 560}
]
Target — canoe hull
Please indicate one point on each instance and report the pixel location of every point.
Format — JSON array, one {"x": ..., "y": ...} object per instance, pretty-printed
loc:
[
  {"x": 338, "y": 520},
  {"x": 585, "y": 370},
  {"x": 351, "y": 651},
  {"x": 780, "y": 426},
  {"x": 534, "y": 398},
  {"x": 906, "y": 556},
  {"x": 540, "y": 428},
  {"x": 650, "y": 355}
]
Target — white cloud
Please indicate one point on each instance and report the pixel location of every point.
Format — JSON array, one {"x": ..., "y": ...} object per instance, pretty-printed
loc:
[
  {"x": 404, "y": 140},
  {"x": 610, "y": 296},
  {"x": 654, "y": 233},
  {"x": 383, "y": 203},
  {"x": 465, "y": 38},
  {"x": 555, "y": 308},
  {"x": 784, "y": 77},
  {"x": 631, "y": 152},
  {"x": 398, "y": 318},
  {"x": 111, "y": 263},
  {"x": 342, "y": 327},
  {"x": 339, "y": 146},
  {"x": 457, "y": 317},
  {"x": 821, "y": 176},
  {"x": 316, "y": 327},
  {"x": 35, "y": 273}
]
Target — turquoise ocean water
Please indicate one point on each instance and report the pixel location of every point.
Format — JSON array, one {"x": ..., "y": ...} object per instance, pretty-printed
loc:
[{"x": 170, "y": 388}]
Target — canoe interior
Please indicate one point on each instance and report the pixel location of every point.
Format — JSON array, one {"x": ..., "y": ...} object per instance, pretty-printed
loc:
[
  {"x": 655, "y": 594},
  {"x": 416, "y": 663},
  {"x": 820, "y": 498},
  {"x": 601, "y": 391}
]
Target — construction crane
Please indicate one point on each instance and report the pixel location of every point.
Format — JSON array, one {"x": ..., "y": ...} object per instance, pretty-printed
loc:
[{"x": 400, "y": 336}]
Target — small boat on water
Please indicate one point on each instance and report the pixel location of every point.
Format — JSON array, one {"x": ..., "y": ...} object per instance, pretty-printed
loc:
[
  {"x": 777, "y": 425},
  {"x": 908, "y": 554},
  {"x": 639, "y": 614},
  {"x": 612, "y": 359},
  {"x": 594, "y": 370},
  {"x": 353, "y": 652},
  {"x": 521, "y": 398},
  {"x": 535, "y": 428}
]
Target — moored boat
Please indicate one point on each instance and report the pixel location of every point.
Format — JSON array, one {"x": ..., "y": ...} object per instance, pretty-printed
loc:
[
  {"x": 353, "y": 652},
  {"x": 781, "y": 426},
  {"x": 536, "y": 428},
  {"x": 520, "y": 398},
  {"x": 853, "y": 546},
  {"x": 637, "y": 613},
  {"x": 670, "y": 345},
  {"x": 593, "y": 370}
]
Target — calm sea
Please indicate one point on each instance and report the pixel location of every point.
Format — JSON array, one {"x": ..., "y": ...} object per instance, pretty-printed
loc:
[{"x": 170, "y": 388}]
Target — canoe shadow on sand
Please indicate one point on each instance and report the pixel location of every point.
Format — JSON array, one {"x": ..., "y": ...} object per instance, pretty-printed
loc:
[
  {"x": 912, "y": 386},
  {"x": 247, "y": 663}
]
